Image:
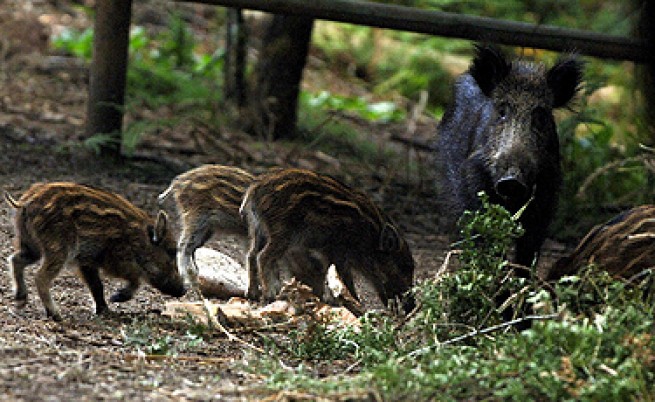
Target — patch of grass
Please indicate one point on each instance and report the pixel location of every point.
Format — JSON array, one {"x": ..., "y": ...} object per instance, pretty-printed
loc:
[
  {"x": 147, "y": 337},
  {"x": 77, "y": 43},
  {"x": 391, "y": 62}
]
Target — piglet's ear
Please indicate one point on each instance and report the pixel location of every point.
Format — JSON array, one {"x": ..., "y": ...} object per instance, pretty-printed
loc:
[
  {"x": 564, "y": 80},
  {"x": 389, "y": 238},
  {"x": 158, "y": 233},
  {"x": 489, "y": 67}
]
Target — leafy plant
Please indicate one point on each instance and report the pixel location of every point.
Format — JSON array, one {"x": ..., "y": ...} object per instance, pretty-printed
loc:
[
  {"x": 164, "y": 70},
  {"x": 377, "y": 111},
  {"x": 319, "y": 130},
  {"x": 77, "y": 43}
]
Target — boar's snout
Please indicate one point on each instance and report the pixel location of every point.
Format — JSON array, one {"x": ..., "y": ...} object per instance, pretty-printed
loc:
[
  {"x": 514, "y": 186},
  {"x": 167, "y": 281},
  {"x": 511, "y": 187}
]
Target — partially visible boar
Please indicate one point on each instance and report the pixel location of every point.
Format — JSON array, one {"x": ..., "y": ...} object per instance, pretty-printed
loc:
[
  {"x": 300, "y": 222},
  {"x": 67, "y": 223},
  {"x": 499, "y": 136},
  {"x": 624, "y": 246},
  {"x": 207, "y": 200}
]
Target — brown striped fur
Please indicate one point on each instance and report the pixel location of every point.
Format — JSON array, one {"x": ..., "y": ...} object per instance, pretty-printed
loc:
[
  {"x": 66, "y": 223},
  {"x": 207, "y": 200},
  {"x": 623, "y": 246},
  {"x": 300, "y": 222}
]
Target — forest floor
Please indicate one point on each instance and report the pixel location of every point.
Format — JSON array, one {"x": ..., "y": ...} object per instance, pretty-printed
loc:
[{"x": 84, "y": 357}]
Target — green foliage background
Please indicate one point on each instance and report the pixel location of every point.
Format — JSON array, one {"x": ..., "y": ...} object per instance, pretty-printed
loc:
[{"x": 605, "y": 165}]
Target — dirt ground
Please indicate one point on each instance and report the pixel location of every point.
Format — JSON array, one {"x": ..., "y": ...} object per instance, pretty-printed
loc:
[{"x": 84, "y": 357}]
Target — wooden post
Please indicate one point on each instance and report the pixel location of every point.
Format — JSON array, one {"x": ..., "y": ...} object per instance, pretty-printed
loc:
[
  {"x": 108, "y": 73},
  {"x": 646, "y": 32},
  {"x": 282, "y": 59},
  {"x": 235, "y": 58}
]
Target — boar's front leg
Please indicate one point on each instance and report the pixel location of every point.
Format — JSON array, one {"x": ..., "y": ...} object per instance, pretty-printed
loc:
[
  {"x": 91, "y": 276},
  {"x": 49, "y": 269}
]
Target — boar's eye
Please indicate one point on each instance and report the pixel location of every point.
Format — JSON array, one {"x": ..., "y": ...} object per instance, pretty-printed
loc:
[{"x": 502, "y": 112}]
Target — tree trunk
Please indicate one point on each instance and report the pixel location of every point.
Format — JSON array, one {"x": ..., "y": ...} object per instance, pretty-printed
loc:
[
  {"x": 278, "y": 75},
  {"x": 235, "y": 58},
  {"x": 646, "y": 31},
  {"x": 108, "y": 73}
]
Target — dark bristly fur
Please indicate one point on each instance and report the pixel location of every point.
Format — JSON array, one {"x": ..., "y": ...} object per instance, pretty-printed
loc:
[
  {"x": 207, "y": 200},
  {"x": 66, "y": 223},
  {"x": 499, "y": 136},
  {"x": 300, "y": 222}
]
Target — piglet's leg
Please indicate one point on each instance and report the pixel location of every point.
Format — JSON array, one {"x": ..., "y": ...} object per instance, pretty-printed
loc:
[
  {"x": 308, "y": 267},
  {"x": 93, "y": 281},
  {"x": 194, "y": 234},
  {"x": 18, "y": 261},
  {"x": 126, "y": 293},
  {"x": 346, "y": 275},
  {"x": 257, "y": 242},
  {"x": 270, "y": 269},
  {"x": 49, "y": 269}
]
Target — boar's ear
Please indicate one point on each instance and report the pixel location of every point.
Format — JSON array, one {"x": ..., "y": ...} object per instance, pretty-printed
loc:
[
  {"x": 158, "y": 233},
  {"x": 389, "y": 238},
  {"x": 489, "y": 67},
  {"x": 564, "y": 80}
]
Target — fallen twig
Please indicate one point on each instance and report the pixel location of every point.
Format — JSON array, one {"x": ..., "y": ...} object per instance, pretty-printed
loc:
[
  {"x": 198, "y": 359},
  {"x": 645, "y": 159},
  {"x": 416, "y": 144},
  {"x": 214, "y": 323},
  {"x": 446, "y": 263},
  {"x": 486, "y": 331}
]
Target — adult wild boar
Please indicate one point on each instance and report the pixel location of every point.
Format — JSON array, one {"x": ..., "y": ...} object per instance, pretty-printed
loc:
[{"x": 499, "y": 136}]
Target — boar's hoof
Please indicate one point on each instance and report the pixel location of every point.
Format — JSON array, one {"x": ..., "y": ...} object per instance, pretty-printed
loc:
[
  {"x": 102, "y": 310},
  {"x": 408, "y": 303},
  {"x": 253, "y": 293},
  {"x": 121, "y": 295},
  {"x": 55, "y": 316},
  {"x": 20, "y": 302}
]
